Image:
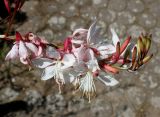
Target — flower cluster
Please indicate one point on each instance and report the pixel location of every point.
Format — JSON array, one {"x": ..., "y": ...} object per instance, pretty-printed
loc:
[{"x": 83, "y": 58}]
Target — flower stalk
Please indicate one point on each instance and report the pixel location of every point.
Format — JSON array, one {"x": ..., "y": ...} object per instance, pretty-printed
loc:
[{"x": 81, "y": 58}]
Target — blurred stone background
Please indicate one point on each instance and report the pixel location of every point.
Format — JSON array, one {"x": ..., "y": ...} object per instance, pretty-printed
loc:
[{"x": 23, "y": 94}]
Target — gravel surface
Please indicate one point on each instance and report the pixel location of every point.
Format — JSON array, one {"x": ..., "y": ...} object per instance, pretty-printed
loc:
[{"x": 138, "y": 94}]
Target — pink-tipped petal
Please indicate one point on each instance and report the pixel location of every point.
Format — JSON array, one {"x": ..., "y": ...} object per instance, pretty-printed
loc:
[{"x": 13, "y": 53}]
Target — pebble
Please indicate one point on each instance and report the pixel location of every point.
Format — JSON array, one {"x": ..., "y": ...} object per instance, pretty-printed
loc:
[
  {"x": 69, "y": 11},
  {"x": 147, "y": 20},
  {"x": 119, "y": 28},
  {"x": 100, "y": 3},
  {"x": 155, "y": 102},
  {"x": 7, "y": 95},
  {"x": 100, "y": 108},
  {"x": 125, "y": 18},
  {"x": 117, "y": 5},
  {"x": 135, "y": 6},
  {"x": 57, "y": 22},
  {"x": 154, "y": 8},
  {"x": 47, "y": 34},
  {"x": 33, "y": 98},
  {"x": 136, "y": 95},
  {"x": 107, "y": 16},
  {"x": 156, "y": 34}
]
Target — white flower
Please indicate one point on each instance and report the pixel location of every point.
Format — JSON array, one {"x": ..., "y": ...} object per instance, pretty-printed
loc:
[
  {"x": 24, "y": 50},
  {"x": 55, "y": 68},
  {"x": 92, "y": 40}
]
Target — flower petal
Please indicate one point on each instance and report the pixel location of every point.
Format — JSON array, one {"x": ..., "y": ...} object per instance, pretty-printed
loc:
[
  {"x": 52, "y": 53},
  {"x": 79, "y": 36},
  {"x": 108, "y": 80},
  {"x": 80, "y": 67},
  {"x": 32, "y": 48},
  {"x": 91, "y": 31},
  {"x": 93, "y": 65},
  {"x": 48, "y": 73},
  {"x": 115, "y": 37},
  {"x": 107, "y": 49},
  {"x": 79, "y": 31},
  {"x": 68, "y": 60},
  {"x": 23, "y": 50},
  {"x": 13, "y": 53},
  {"x": 77, "y": 41},
  {"x": 88, "y": 55},
  {"x": 42, "y": 62},
  {"x": 40, "y": 50},
  {"x": 93, "y": 34},
  {"x": 91, "y": 54},
  {"x": 79, "y": 53},
  {"x": 87, "y": 85}
]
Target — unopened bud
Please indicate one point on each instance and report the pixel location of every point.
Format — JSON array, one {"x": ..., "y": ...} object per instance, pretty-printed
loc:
[{"x": 125, "y": 44}]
